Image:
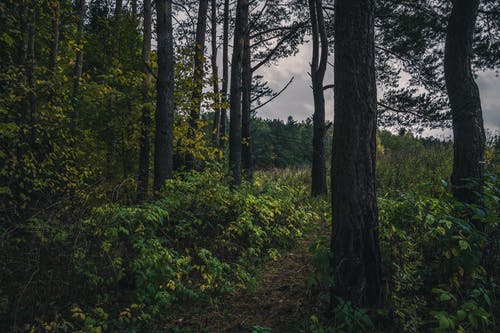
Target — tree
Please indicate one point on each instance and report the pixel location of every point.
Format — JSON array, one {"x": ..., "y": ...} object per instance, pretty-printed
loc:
[
  {"x": 318, "y": 69},
  {"x": 236, "y": 89},
  {"x": 246, "y": 106},
  {"x": 80, "y": 12},
  {"x": 355, "y": 241},
  {"x": 54, "y": 49},
  {"x": 468, "y": 130},
  {"x": 199, "y": 49},
  {"x": 215, "y": 72},
  {"x": 163, "y": 156},
  {"x": 118, "y": 7},
  {"x": 274, "y": 31},
  {"x": 143, "y": 175},
  {"x": 409, "y": 44},
  {"x": 225, "y": 73}
]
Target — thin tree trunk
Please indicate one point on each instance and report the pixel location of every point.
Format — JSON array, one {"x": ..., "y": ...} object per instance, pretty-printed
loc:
[
  {"x": 54, "y": 49},
  {"x": 468, "y": 129},
  {"x": 134, "y": 9},
  {"x": 23, "y": 55},
  {"x": 23, "y": 20},
  {"x": 235, "y": 97},
  {"x": 144, "y": 150},
  {"x": 79, "y": 61},
  {"x": 355, "y": 240},
  {"x": 215, "y": 71},
  {"x": 318, "y": 69},
  {"x": 118, "y": 7},
  {"x": 30, "y": 71},
  {"x": 199, "y": 48},
  {"x": 225, "y": 75},
  {"x": 163, "y": 157},
  {"x": 246, "y": 153}
]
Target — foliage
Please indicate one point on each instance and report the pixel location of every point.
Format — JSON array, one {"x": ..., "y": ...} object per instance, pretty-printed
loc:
[
  {"x": 440, "y": 257},
  {"x": 129, "y": 265},
  {"x": 278, "y": 144},
  {"x": 407, "y": 161}
]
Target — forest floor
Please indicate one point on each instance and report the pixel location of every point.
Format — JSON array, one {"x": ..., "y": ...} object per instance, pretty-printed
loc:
[{"x": 280, "y": 302}]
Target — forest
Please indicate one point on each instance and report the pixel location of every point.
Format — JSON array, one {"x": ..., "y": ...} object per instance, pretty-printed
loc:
[{"x": 141, "y": 189}]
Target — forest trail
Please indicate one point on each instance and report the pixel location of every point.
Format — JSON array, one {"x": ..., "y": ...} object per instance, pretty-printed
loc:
[{"x": 280, "y": 302}]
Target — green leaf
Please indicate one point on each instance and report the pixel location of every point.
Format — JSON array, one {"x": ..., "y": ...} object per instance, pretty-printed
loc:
[
  {"x": 461, "y": 314},
  {"x": 463, "y": 244}
]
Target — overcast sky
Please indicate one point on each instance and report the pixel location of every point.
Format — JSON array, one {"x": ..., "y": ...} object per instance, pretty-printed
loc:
[{"x": 297, "y": 100}]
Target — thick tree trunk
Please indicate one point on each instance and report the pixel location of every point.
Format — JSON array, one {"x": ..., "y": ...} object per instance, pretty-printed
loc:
[
  {"x": 54, "y": 48},
  {"x": 318, "y": 69},
  {"x": 246, "y": 149},
  {"x": 144, "y": 150},
  {"x": 199, "y": 48},
  {"x": 225, "y": 74},
  {"x": 468, "y": 130},
  {"x": 215, "y": 71},
  {"x": 235, "y": 97},
  {"x": 355, "y": 241},
  {"x": 163, "y": 156}
]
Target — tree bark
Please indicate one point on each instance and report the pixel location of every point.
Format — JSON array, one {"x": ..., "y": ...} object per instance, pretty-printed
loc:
[
  {"x": 118, "y": 7},
  {"x": 145, "y": 149},
  {"x": 468, "y": 128},
  {"x": 235, "y": 97},
  {"x": 134, "y": 9},
  {"x": 30, "y": 71},
  {"x": 225, "y": 74},
  {"x": 199, "y": 48},
  {"x": 54, "y": 48},
  {"x": 163, "y": 156},
  {"x": 215, "y": 71},
  {"x": 246, "y": 149},
  {"x": 318, "y": 69},
  {"x": 80, "y": 12},
  {"x": 355, "y": 240},
  {"x": 23, "y": 27}
]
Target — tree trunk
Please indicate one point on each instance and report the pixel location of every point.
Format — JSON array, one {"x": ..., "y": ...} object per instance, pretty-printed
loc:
[
  {"x": 235, "y": 97},
  {"x": 30, "y": 71},
  {"x": 318, "y": 69},
  {"x": 23, "y": 27},
  {"x": 355, "y": 240},
  {"x": 246, "y": 149},
  {"x": 80, "y": 8},
  {"x": 199, "y": 48},
  {"x": 134, "y": 9},
  {"x": 468, "y": 130},
  {"x": 118, "y": 7},
  {"x": 163, "y": 157},
  {"x": 54, "y": 48},
  {"x": 215, "y": 71},
  {"x": 225, "y": 74},
  {"x": 144, "y": 150}
]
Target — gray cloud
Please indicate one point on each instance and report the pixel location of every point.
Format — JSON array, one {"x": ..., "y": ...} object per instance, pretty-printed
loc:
[
  {"x": 489, "y": 88},
  {"x": 297, "y": 100}
]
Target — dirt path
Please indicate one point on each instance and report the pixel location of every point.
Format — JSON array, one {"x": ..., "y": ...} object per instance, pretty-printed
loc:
[{"x": 279, "y": 303}]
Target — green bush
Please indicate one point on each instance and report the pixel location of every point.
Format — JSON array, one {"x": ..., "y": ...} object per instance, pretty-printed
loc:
[
  {"x": 439, "y": 255},
  {"x": 132, "y": 268}
]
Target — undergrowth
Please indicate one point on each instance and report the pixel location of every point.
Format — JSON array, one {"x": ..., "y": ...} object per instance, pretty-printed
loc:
[
  {"x": 440, "y": 265},
  {"x": 133, "y": 268}
]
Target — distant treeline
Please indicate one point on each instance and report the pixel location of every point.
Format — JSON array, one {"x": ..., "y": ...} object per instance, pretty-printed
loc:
[{"x": 288, "y": 144}]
